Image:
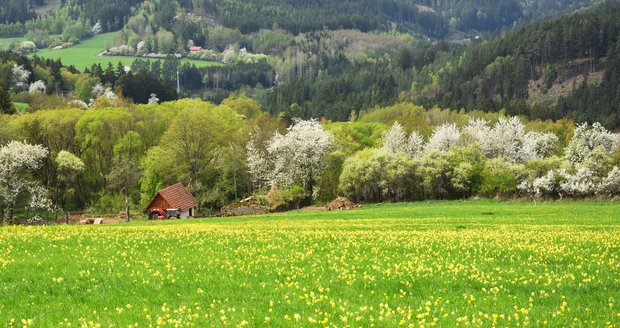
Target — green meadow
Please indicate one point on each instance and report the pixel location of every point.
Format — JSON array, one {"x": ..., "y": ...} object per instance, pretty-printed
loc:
[
  {"x": 443, "y": 263},
  {"x": 85, "y": 54},
  {"x": 6, "y": 42}
]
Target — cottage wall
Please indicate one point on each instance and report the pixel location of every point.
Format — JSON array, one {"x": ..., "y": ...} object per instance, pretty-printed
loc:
[{"x": 160, "y": 202}]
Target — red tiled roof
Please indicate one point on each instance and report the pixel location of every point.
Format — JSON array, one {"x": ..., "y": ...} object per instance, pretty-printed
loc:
[
  {"x": 195, "y": 48},
  {"x": 177, "y": 196}
]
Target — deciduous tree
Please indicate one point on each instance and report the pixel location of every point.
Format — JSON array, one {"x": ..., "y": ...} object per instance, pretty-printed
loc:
[{"x": 18, "y": 160}]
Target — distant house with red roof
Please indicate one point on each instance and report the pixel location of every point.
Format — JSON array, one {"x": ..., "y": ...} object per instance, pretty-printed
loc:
[
  {"x": 195, "y": 48},
  {"x": 174, "y": 197}
]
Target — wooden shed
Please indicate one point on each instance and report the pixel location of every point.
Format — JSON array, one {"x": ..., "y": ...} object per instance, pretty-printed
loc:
[{"x": 175, "y": 196}]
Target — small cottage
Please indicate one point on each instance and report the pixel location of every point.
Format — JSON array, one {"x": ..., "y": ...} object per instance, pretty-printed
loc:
[
  {"x": 174, "y": 197},
  {"x": 195, "y": 48}
]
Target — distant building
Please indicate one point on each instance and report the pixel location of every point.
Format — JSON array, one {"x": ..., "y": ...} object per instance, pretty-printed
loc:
[
  {"x": 195, "y": 48},
  {"x": 174, "y": 197}
]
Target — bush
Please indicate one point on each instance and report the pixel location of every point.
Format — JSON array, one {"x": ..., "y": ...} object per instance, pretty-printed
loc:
[
  {"x": 501, "y": 178},
  {"x": 375, "y": 176},
  {"x": 434, "y": 172},
  {"x": 286, "y": 199}
]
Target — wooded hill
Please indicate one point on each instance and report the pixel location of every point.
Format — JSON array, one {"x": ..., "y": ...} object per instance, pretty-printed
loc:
[
  {"x": 429, "y": 17},
  {"x": 504, "y": 72},
  {"x": 565, "y": 66}
]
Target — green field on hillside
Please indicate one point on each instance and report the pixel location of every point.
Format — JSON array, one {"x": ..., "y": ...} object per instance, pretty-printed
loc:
[
  {"x": 443, "y": 264},
  {"x": 6, "y": 42},
  {"x": 85, "y": 54}
]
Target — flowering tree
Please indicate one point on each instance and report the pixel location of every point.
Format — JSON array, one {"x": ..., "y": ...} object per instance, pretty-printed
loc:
[
  {"x": 589, "y": 174},
  {"x": 587, "y": 138},
  {"x": 395, "y": 139},
  {"x": 507, "y": 139},
  {"x": 549, "y": 184},
  {"x": 581, "y": 183},
  {"x": 20, "y": 77},
  {"x": 96, "y": 29},
  {"x": 17, "y": 161},
  {"x": 98, "y": 90},
  {"x": 445, "y": 136},
  {"x": 295, "y": 158},
  {"x": 610, "y": 186},
  {"x": 153, "y": 100},
  {"x": 538, "y": 145},
  {"x": 37, "y": 87},
  {"x": 415, "y": 144}
]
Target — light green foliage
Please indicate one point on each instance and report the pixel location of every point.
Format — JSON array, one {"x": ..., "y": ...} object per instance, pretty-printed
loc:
[
  {"x": 435, "y": 174},
  {"x": 193, "y": 144},
  {"x": 84, "y": 86},
  {"x": 69, "y": 162},
  {"x": 165, "y": 41},
  {"x": 414, "y": 117},
  {"x": 69, "y": 167},
  {"x": 157, "y": 166},
  {"x": 130, "y": 146},
  {"x": 598, "y": 163},
  {"x": 374, "y": 175},
  {"x": 351, "y": 137},
  {"x": 449, "y": 263},
  {"x": 500, "y": 177},
  {"x": 243, "y": 105}
]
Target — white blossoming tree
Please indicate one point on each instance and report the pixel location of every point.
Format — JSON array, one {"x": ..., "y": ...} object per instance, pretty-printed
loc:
[
  {"x": 395, "y": 139},
  {"x": 415, "y": 145},
  {"x": 295, "y": 158},
  {"x": 445, "y": 137},
  {"x": 37, "y": 87},
  {"x": 586, "y": 139},
  {"x": 17, "y": 162},
  {"x": 476, "y": 130},
  {"x": 19, "y": 77},
  {"x": 549, "y": 184},
  {"x": 98, "y": 90},
  {"x": 538, "y": 145},
  {"x": 589, "y": 175},
  {"x": 610, "y": 186},
  {"x": 507, "y": 139},
  {"x": 97, "y": 28},
  {"x": 153, "y": 100}
]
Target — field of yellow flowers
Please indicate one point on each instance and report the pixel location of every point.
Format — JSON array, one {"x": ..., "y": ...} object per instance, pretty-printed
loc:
[{"x": 428, "y": 264}]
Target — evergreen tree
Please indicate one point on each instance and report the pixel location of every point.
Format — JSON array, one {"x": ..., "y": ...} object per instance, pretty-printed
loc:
[{"x": 6, "y": 105}]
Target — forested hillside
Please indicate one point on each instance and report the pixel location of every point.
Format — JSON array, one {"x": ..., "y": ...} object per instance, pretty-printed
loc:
[
  {"x": 505, "y": 72},
  {"x": 429, "y": 17},
  {"x": 334, "y": 60}
]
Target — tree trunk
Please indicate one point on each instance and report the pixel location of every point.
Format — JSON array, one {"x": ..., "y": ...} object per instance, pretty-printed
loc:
[
  {"x": 127, "y": 215},
  {"x": 10, "y": 213},
  {"x": 309, "y": 191},
  {"x": 235, "y": 182}
]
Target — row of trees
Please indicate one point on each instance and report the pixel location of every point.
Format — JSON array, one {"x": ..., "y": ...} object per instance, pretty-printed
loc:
[
  {"x": 191, "y": 141},
  {"x": 110, "y": 159},
  {"x": 500, "y": 160}
]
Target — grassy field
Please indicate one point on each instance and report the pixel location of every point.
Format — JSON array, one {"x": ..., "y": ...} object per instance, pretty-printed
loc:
[
  {"x": 21, "y": 107},
  {"x": 85, "y": 54},
  {"x": 6, "y": 42},
  {"x": 443, "y": 264}
]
